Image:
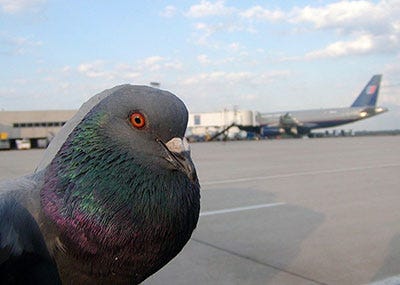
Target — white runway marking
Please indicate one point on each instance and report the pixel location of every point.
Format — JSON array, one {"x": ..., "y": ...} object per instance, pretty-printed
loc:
[
  {"x": 231, "y": 210},
  {"x": 305, "y": 173}
]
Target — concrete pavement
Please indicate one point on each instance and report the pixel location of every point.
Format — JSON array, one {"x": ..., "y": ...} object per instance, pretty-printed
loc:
[{"x": 304, "y": 211}]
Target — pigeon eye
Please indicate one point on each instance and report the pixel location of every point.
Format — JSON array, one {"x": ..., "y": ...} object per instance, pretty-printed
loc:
[{"x": 138, "y": 120}]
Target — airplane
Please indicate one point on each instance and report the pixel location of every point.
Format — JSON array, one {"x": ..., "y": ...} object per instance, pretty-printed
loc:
[{"x": 299, "y": 123}]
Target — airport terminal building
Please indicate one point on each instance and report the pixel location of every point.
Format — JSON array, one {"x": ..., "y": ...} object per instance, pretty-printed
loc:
[{"x": 39, "y": 127}]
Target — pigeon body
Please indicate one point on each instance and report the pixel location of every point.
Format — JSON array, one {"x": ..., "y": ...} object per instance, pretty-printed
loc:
[{"x": 115, "y": 198}]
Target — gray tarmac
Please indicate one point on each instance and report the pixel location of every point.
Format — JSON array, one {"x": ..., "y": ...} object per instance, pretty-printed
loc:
[{"x": 303, "y": 211}]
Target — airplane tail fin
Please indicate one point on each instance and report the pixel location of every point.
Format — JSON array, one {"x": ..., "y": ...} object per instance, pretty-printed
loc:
[{"x": 369, "y": 95}]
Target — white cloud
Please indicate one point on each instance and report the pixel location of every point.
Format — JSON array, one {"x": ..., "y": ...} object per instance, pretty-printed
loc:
[
  {"x": 218, "y": 77},
  {"x": 362, "y": 44},
  {"x": 125, "y": 71},
  {"x": 373, "y": 27},
  {"x": 176, "y": 65},
  {"x": 18, "y": 45},
  {"x": 219, "y": 89},
  {"x": 94, "y": 69},
  {"x": 66, "y": 69},
  {"x": 65, "y": 85},
  {"x": 21, "y": 81},
  {"x": 207, "y": 8},
  {"x": 391, "y": 83},
  {"x": 275, "y": 74},
  {"x": 210, "y": 29},
  {"x": 359, "y": 27},
  {"x": 156, "y": 63},
  {"x": 152, "y": 63},
  {"x": 240, "y": 77},
  {"x": 205, "y": 33},
  {"x": 169, "y": 11},
  {"x": 103, "y": 70},
  {"x": 234, "y": 46},
  {"x": 149, "y": 61},
  {"x": 16, "y": 6},
  {"x": 260, "y": 13},
  {"x": 342, "y": 14},
  {"x": 203, "y": 59},
  {"x": 249, "y": 97},
  {"x": 390, "y": 98}
]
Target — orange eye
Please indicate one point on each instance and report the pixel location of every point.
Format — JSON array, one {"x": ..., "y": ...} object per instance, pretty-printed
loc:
[{"x": 137, "y": 120}]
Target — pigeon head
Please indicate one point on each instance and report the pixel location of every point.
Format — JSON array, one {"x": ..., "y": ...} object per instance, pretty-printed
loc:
[
  {"x": 122, "y": 190},
  {"x": 146, "y": 122}
]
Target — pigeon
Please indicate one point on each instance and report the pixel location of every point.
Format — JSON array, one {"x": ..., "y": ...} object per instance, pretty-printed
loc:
[{"x": 115, "y": 197}]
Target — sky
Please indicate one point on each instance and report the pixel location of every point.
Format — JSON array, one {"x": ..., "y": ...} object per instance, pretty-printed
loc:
[{"x": 259, "y": 55}]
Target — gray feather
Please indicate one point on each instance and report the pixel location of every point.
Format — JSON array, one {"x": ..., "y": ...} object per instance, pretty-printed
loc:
[{"x": 62, "y": 135}]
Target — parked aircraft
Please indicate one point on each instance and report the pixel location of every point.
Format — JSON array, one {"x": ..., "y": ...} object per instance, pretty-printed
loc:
[{"x": 299, "y": 123}]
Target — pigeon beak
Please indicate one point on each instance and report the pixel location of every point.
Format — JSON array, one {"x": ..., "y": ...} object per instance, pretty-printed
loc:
[{"x": 178, "y": 154}]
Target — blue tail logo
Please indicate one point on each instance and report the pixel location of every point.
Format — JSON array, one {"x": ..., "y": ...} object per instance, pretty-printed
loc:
[{"x": 369, "y": 95}]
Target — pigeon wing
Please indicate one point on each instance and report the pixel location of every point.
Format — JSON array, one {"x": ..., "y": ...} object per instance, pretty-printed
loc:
[{"x": 24, "y": 258}]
